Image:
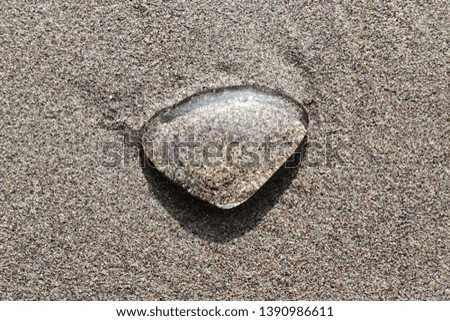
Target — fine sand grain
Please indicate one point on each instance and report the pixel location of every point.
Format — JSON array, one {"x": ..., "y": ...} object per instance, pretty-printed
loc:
[{"x": 366, "y": 216}]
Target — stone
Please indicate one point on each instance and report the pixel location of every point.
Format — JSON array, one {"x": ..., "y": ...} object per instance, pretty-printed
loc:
[{"x": 223, "y": 145}]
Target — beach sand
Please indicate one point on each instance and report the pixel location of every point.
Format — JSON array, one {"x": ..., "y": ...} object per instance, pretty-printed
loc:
[{"x": 365, "y": 217}]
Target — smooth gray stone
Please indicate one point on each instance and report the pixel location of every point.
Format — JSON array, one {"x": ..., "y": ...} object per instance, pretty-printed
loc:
[{"x": 223, "y": 145}]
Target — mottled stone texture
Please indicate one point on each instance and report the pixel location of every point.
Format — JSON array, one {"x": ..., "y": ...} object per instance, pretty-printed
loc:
[{"x": 223, "y": 145}]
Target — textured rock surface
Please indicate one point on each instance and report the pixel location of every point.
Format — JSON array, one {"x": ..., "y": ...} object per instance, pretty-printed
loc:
[{"x": 223, "y": 145}]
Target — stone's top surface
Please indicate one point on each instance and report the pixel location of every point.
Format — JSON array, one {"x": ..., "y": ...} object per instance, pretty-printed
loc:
[{"x": 223, "y": 145}]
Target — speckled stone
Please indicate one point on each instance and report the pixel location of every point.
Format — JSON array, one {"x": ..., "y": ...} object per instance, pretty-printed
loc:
[{"x": 223, "y": 145}]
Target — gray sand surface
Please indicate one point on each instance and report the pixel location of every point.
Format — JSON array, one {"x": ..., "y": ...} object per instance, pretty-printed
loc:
[{"x": 366, "y": 216}]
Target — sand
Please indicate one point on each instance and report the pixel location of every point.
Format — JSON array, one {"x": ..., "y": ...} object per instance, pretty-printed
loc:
[{"x": 365, "y": 217}]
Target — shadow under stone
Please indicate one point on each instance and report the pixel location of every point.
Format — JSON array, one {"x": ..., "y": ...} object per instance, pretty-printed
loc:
[{"x": 212, "y": 223}]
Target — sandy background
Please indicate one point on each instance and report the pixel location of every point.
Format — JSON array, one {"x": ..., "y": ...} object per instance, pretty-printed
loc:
[{"x": 365, "y": 217}]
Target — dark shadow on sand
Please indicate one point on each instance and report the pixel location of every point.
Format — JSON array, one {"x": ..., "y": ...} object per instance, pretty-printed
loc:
[{"x": 212, "y": 223}]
